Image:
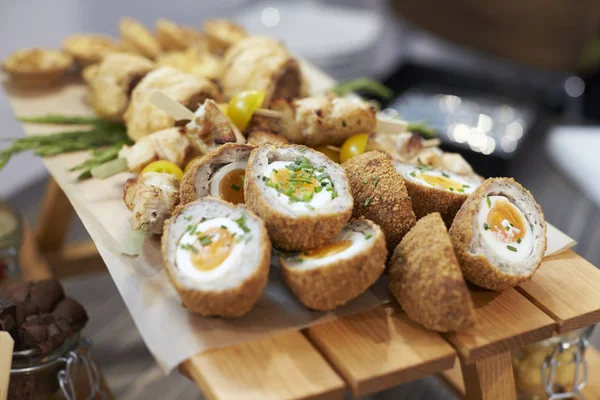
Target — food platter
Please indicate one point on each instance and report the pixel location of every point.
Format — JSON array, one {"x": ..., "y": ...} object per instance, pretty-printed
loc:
[{"x": 271, "y": 329}]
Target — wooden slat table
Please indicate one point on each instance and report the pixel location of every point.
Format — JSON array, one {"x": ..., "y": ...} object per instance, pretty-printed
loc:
[{"x": 373, "y": 350}]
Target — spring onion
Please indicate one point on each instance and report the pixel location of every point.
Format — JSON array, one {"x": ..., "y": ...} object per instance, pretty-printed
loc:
[
  {"x": 109, "y": 168},
  {"x": 135, "y": 241},
  {"x": 364, "y": 85}
]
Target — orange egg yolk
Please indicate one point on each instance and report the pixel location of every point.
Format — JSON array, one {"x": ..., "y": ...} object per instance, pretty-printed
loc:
[
  {"x": 441, "y": 181},
  {"x": 328, "y": 250},
  {"x": 503, "y": 210},
  {"x": 212, "y": 248},
  {"x": 294, "y": 182},
  {"x": 231, "y": 188}
]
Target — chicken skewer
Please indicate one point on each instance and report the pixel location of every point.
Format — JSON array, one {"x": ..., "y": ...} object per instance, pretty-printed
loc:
[{"x": 209, "y": 127}]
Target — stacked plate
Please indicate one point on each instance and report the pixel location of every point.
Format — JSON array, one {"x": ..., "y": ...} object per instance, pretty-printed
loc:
[{"x": 341, "y": 41}]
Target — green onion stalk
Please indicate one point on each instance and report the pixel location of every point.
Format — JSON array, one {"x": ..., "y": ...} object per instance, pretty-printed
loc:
[{"x": 103, "y": 138}]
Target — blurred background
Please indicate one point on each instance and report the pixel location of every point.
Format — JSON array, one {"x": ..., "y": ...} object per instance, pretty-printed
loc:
[{"x": 513, "y": 85}]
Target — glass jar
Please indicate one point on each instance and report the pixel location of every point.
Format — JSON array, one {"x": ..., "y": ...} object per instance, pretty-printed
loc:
[
  {"x": 11, "y": 236},
  {"x": 53, "y": 376},
  {"x": 554, "y": 368}
]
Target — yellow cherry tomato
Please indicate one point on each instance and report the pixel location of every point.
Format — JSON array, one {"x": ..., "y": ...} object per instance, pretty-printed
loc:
[
  {"x": 189, "y": 164},
  {"x": 353, "y": 146},
  {"x": 334, "y": 155},
  {"x": 243, "y": 105},
  {"x": 165, "y": 167}
]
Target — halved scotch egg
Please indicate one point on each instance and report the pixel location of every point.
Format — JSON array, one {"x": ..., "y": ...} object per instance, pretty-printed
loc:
[
  {"x": 435, "y": 190},
  {"x": 499, "y": 234},
  {"x": 426, "y": 280},
  {"x": 380, "y": 195},
  {"x": 302, "y": 196},
  {"x": 217, "y": 256},
  {"x": 219, "y": 174},
  {"x": 339, "y": 271}
]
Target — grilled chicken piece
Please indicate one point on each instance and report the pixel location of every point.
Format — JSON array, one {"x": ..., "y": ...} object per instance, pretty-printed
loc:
[
  {"x": 112, "y": 83},
  {"x": 211, "y": 127},
  {"x": 138, "y": 38},
  {"x": 261, "y": 63},
  {"x": 321, "y": 120},
  {"x": 151, "y": 197},
  {"x": 169, "y": 144},
  {"x": 260, "y": 136},
  {"x": 142, "y": 117},
  {"x": 221, "y": 34},
  {"x": 176, "y": 37}
]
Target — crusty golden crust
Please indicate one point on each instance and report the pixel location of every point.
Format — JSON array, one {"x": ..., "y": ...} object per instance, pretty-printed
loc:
[
  {"x": 478, "y": 269},
  {"x": 229, "y": 303},
  {"x": 292, "y": 233},
  {"x": 89, "y": 49},
  {"x": 380, "y": 195},
  {"x": 327, "y": 287},
  {"x": 426, "y": 200},
  {"x": 426, "y": 280},
  {"x": 37, "y": 66}
]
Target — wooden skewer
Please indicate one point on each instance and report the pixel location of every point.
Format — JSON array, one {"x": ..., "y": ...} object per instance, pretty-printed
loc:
[
  {"x": 180, "y": 112},
  {"x": 6, "y": 351}
]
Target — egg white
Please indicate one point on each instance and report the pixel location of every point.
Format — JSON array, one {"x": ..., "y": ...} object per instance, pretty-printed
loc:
[
  {"x": 413, "y": 174},
  {"x": 319, "y": 199},
  {"x": 359, "y": 243},
  {"x": 217, "y": 177},
  {"x": 498, "y": 245},
  {"x": 183, "y": 256}
]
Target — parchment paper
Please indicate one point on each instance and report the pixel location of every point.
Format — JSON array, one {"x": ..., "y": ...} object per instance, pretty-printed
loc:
[{"x": 170, "y": 332}]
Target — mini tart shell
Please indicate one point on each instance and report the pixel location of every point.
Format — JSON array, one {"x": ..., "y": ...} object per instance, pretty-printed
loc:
[
  {"x": 39, "y": 76},
  {"x": 426, "y": 200},
  {"x": 426, "y": 280},
  {"x": 329, "y": 286},
  {"x": 187, "y": 189},
  {"x": 229, "y": 303},
  {"x": 388, "y": 204},
  {"x": 292, "y": 233},
  {"x": 477, "y": 268}
]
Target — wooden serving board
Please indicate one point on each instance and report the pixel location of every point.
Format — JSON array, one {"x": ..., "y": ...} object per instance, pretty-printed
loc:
[{"x": 381, "y": 348}]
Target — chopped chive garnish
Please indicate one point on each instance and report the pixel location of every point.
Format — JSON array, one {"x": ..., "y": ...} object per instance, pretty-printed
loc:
[
  {"x": 368, "y": 236},
  {"x": 292, "y": 167},
  {"x": 302, "y": 149},
  {"x": 367, "y": 201},
  {"x": 205, "y": 240},
  {"x": 376, "y": 181},
  {"x": 320, "y": 169},
  {"x": 188, "y": 218},
  {"x": 365, "y": 182},
  {"x": 452, "y": 189},
  {"x": 264, "y": 178},
  {"x": 334, "y": 195},
  {"x": 236, "y": 187},
  {"x": 519, "y": 240},
  {"x": 507, "y": 228},
  {"x": 410, "y": 198},
  {"x": 272, "y": 185},
  {"x": 241, "y": 221},
  {"x": 445, "y": 175},
  {"x": 343, "y": 123},
  {"x": 489, "y": 202},
  {"x": 511, "y": 248},
  {"x": 461, "y": 190},
  {"x": 307, "y": 196},
  {"x": 223, "y": 227},
  {"x": 413, "y": 174},
  {"x": 243, "y": 180},
  {"x": 486, "y": 226},
  {"x": 466, "y": 186},
  {"x": 318, "y": 189},
  {"x": 309, "y": 206},
  {"x": 275, "y": 171},
  {"x": 322, "y": 176},
  {"x": 189, "y": 247}
]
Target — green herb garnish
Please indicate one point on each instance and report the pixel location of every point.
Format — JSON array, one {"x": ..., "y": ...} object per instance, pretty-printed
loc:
[
  {"x": 486, "y": 226},
  {"x": 367, "y": 201},
  {"x": 241, "y": 221},
  {"x": 368, "y": 236},
  {"x": 489, "y": 202},
  {"x": 236, "y": 187},
  {"x": 189, "y": 247},
  {"x": 205, "y": 240},
  {"x": 511, "y": 248},
  {"x": 519, "y": 240}
]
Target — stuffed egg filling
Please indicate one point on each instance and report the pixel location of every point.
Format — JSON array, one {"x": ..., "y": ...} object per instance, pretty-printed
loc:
[
  {"x": 346, "y": 245},
  {"x": 299, "y": 185},
  {"x": 209, "y": 249},
  {"x": 227, "y": 183},
  {"x": 430, "y": 177},
  {"x": 504, "y": 228}
]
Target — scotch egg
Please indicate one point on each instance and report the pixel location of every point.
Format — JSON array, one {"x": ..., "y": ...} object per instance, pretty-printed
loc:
[
  {"x": 302, "y": 196},
  {"x": 436, "y": 190},
  {"x": 219, "y": 174},
  {"x": 380, "y": 195},
  {"x": 499, "y": 234},
  {"x": 339, "y": 271},
  {"x": 426, "y": 280},
  {"x": 217, "y": 256}
]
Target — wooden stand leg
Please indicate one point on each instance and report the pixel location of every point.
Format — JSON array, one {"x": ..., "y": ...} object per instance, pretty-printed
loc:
[
  {"x": 490, "y": 379},
  {"x": 54, "y": 220}
]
